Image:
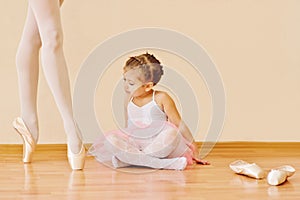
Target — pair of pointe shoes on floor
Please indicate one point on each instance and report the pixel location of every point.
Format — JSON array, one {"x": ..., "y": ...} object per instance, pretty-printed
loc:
[
  {"x": 276, "y": 176},
  {"x": 76, "y": 161}
]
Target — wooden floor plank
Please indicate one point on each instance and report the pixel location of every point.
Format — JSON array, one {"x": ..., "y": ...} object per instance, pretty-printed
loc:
[{"x": 49, "y": 176}]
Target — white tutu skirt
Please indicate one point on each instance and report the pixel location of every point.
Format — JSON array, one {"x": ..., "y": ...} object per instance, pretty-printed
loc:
[{"x": 139, "y": 137}]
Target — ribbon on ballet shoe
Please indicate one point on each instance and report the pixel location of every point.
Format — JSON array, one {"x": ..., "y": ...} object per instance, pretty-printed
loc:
[{"x": 248, "y": 169}]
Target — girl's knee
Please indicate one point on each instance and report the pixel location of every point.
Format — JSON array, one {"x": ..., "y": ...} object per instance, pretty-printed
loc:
[{"x": 171, "y": 134}]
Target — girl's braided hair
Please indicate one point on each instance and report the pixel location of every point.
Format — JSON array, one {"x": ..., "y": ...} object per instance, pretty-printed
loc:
[{"x": 150, "y": 68}]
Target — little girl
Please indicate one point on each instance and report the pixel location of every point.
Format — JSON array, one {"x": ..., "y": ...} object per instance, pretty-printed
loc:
[{"x": 155, "y": 136}]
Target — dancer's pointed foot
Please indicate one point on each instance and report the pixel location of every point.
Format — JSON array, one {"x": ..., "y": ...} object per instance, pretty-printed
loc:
[
  {"x": 77, "y": 160},
  {"x": 28, "y": 141}
]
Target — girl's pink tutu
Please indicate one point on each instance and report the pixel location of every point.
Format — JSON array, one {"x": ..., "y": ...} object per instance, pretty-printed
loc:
[
  {"x": 145, "y": 123},
  {"x": 103, "y": 151}
]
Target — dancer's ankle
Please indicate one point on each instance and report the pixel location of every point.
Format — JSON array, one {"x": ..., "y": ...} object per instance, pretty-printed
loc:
[
  {"x": 32, "y": 124},
  {"x": 75, "y": 144}
]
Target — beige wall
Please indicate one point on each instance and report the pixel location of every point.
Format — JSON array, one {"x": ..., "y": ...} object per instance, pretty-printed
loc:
[{"x": 253, "y": 43}]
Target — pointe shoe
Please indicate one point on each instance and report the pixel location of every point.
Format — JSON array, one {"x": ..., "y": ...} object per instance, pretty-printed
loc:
[
  {"x": 252, "y": 170},
  {"x": 279, "y": 175},
  {"x": 76, "y": 161},
  {"x": 28, "y": 141}
]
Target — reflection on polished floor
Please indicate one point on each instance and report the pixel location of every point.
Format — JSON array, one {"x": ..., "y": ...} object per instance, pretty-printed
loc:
[{"x": 49, "y": 176}]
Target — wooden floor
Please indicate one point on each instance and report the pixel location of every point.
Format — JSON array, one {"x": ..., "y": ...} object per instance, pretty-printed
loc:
[{"x": 49, "y": 176}]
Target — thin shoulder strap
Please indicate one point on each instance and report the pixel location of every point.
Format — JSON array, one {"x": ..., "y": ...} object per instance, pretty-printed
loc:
[{"x": 153, "y": 95}]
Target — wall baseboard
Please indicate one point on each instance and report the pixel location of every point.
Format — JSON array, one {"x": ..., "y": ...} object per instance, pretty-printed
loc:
[
  {"x": 243, "y": 144},
  {"x": 54, "y": 147}
]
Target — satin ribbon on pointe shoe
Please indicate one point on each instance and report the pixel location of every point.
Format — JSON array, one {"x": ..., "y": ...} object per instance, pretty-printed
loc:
[
  {"x": 280, "y": 174},
  {"x": 252, "y": 170},
  {"x": 28, "y": 141}
]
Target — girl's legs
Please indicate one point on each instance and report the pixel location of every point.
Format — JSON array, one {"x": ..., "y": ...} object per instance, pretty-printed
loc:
[
  {"x": 47, "y": 15},
  {"x": 128, "y": 153},
  {"x": 163, "y": 144},
  {"x": 27, "y": 61}
]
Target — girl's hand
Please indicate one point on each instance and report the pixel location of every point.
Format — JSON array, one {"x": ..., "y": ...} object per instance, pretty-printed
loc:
[
  {"x": 196, "y": 156},
  {"x": 200, "y": 161}
]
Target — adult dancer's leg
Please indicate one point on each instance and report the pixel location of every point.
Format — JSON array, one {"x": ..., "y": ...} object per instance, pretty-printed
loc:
[
  {"x": 27, "y": 61},
  {"x": 47, "y": 15}
]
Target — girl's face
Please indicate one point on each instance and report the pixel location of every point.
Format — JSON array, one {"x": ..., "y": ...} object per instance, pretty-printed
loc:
[{"x": 132, "y": 84}]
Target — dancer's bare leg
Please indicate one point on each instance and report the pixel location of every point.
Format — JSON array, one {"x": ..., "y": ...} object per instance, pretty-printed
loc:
[
  {"x": 47, "y": 15},
  {"x": 27, "y": 61}
]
